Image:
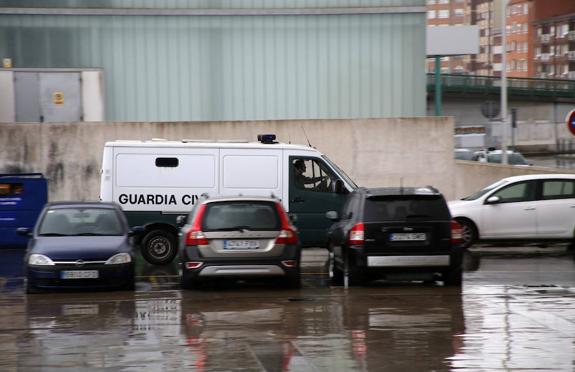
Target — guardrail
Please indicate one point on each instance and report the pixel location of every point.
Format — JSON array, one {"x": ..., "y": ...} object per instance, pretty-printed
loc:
[{"x": 478, "y": 84}]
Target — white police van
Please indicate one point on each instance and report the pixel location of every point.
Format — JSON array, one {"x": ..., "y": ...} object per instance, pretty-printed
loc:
[{"x": 155, "y": 181}]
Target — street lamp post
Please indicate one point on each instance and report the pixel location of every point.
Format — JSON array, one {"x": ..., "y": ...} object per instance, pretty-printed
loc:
[{"x": 504, "y": 121}]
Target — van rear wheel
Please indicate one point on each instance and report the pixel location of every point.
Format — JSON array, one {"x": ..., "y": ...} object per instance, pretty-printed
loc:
[{"x": 159, "y": 247}]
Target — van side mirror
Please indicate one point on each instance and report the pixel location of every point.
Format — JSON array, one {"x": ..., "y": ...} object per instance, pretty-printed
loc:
[
  {"x": 339, "y": 188},
  {"x": 136, "y": 230},
  {"x": 332, "y": 215},
  {"x": 493, "y": 200},
  {"x": 24, "y": 231},
  {"x": 292, "y": 217},
  {"x": 181, "y": 220}
]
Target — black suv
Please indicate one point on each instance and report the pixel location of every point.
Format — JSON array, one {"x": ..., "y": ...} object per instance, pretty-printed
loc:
[{"x": 395, "y": 233}]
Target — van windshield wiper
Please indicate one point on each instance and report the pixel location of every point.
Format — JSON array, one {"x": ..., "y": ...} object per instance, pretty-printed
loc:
[{"x": 53, "y": 234}]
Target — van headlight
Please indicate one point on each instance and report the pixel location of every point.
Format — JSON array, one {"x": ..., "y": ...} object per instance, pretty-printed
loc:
[
  {"x": 120, "y": 258},
  {"x": 40, "y": 260}
]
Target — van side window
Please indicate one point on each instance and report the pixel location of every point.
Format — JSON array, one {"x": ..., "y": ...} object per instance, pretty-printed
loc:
[
  {"x": 11, "y": 189},
  {"x": 311, "y": 175},
  {"x": 167, "y": 162}
]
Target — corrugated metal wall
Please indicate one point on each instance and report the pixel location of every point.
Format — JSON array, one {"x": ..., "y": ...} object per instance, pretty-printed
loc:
[{"x": 175, "y": 68}]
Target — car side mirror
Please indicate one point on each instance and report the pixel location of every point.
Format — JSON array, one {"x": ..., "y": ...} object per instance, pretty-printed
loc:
[
  {"x": 136, "y": 230},
  {"x": 493, "y": 200},
  {"x": 24, "y": 231},
  {"x": 181, "y": 220},
  {"x": 339, "y": 188},
  {"x": 332, "y": 215}
]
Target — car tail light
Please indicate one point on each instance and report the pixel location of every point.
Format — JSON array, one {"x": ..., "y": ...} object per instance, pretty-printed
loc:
[
  {"x": 287, "y": 235},
  {"x": 357, "y": 234},
  {"x": 195, "y": 236},
  {"x": 456, "y": 232}
]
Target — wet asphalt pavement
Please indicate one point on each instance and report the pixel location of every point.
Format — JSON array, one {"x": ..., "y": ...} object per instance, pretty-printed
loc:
[{"x": 515, "y": 312}]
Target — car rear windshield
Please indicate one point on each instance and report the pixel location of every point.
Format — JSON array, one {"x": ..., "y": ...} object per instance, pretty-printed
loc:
[
  {"x": 80, "y": 222},
  {"x": 230, "y": 216},
  {"x": 398, "y": 208}
]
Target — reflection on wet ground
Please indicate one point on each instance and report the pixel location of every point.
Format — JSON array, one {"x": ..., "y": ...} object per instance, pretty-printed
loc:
[{"x": 510, "y": 315}]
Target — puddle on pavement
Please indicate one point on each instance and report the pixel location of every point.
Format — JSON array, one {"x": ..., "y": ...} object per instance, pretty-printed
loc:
[{"x": 527, "y": 325}]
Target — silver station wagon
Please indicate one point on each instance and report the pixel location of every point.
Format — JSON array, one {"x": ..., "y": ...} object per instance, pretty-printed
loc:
[{"x": 239, "y": 237}]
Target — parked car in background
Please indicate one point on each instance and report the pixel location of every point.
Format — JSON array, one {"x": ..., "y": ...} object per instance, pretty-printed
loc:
[
  {"x": 495, "y": 156},
  {"x": 22, "y": 197},
  {"x": 79, "y": 245},
  {"x": 395, "y": 233},
  {"x": 239, "y": 237},
  {"x": 463, "y": 154},
  {"x": 537, "y": 207}
]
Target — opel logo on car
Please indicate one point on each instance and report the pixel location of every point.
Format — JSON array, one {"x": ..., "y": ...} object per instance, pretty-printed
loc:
[{"x": 79, "y": 263}]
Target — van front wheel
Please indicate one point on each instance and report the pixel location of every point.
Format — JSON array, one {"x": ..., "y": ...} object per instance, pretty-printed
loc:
[{"x": 159, "y": 247}]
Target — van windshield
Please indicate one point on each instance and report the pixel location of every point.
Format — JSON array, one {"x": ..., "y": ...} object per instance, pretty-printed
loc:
[{"x": 340, "y": 172}]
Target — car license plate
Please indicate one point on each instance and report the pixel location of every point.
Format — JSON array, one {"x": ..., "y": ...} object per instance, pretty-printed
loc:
[
  {"x": 79, "y": 274},
  {"x": 241, "y": 244},
  {"x": 407, "y": 237}
]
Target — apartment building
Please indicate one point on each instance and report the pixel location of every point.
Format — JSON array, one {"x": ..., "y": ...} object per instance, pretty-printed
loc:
[
  {"x": 540, "y": 36},
  {"x": 554, "y": 39},
  {"x": 519, "y": 26}
]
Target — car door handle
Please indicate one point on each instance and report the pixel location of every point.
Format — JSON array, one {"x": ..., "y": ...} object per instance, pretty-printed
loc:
[
  {"x": 297, "y": 199},
  {"x": 530, "y": 208}
]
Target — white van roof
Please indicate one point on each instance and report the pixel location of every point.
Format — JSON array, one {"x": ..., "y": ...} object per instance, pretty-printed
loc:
[{"x": 156, "y": 142}]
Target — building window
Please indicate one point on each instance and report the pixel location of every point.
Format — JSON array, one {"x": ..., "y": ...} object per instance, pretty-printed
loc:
[
  {"x": 430, "y": 2},
  {"x": 459, "y": 12},
  {"x": 431, "y": 14},
  {"x": 443, "y": 14},
  {"x": 443, "y": 1}
]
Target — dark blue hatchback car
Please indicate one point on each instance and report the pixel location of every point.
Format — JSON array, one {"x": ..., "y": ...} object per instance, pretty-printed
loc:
[{"x": 80, "y": 245}]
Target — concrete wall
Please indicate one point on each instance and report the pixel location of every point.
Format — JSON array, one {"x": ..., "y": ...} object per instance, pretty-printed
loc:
[
  {"x": 539, "y": 124},
  {"x": 374, "y": 152},
  {"x": 471, "y": 176}
]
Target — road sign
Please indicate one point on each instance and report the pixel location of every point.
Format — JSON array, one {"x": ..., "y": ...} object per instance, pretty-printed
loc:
[{"x": 571, "y": 122}]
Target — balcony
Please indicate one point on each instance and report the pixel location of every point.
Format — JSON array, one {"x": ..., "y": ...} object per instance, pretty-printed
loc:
[
  {"x": 545, "y": 38},
  {"x": 571, "y": 75},
  {"x": 571, "y": 55},
  {"x": 571, "y": 36},
  {"x": 545, "y": 57}
]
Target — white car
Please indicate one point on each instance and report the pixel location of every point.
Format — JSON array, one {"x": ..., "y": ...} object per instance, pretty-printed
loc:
[
  {"x": 523, "y": 208},
  {"x": 496, "y": 156}
]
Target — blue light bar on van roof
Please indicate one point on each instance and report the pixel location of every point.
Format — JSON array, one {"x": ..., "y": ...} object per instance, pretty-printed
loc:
[{"x": 267, "y": 138}]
